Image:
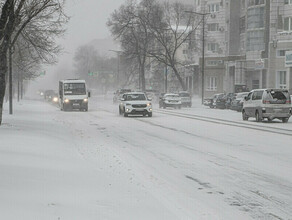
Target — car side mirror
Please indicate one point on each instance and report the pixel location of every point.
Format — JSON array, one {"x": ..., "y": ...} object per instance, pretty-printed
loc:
[
  {"x": 246, "y": 98},
  {"x": 89, "y": 94}
]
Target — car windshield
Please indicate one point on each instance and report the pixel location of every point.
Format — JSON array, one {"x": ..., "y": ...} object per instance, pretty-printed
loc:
[
  {"x": 74, "y": 89},
  {"x": 135, "y": 97}
]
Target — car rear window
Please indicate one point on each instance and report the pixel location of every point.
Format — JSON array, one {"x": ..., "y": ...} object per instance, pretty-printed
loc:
[
  {"x": 277, "y": 97},
  {"x": 184, "y": 94}
]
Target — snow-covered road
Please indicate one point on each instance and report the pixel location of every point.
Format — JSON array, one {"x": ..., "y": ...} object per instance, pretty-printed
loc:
[{"x": 99, "y": 165}]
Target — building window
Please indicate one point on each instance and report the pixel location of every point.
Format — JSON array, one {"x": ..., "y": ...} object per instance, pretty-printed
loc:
[
  {"x": 213, "y": 27},
  {"x": 242, "y": 4},
  {"x": 213, "y": 7},
  {"x": 212, "y": 47},
  {"x": 256, "y": 2},
  {"x": 214, "y": 62},
  {"x": 282, "y": 79},
  {"x": 281, "y": 53},
  {"x": 255, "y": 84},
  {"x": 288, "y": 24},
  {"x": 288, "y": 2},
  {"x": 255, "y": 40},
  {"x": 256, "y": 17},
  {"x": 242, "y": 25},
  {"x": 211, "y": 84}
]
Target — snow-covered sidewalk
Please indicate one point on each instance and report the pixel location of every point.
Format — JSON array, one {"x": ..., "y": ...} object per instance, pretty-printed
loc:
[{"x": 51, "y": 170}]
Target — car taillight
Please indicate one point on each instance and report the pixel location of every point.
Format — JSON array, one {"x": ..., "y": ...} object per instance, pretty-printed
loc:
[
  {"x": 266, "y": 102},
  {"x": 288, "y": 101}
]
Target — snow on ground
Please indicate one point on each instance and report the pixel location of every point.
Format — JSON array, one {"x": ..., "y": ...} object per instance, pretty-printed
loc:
[{"x": 99, "y": 165}]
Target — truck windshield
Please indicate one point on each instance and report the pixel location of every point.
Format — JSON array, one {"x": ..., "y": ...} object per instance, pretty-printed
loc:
[{"x": 74, "y": 89}]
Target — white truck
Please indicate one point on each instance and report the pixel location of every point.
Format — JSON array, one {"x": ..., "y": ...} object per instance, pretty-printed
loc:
[{"x": 73, "y": 95}]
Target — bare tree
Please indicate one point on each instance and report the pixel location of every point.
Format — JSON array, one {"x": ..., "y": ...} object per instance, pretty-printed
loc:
[
  {"x": 39, "y": 22},
  {"x": 129, "y": 25},
  {"x": 172, "y": 27}
]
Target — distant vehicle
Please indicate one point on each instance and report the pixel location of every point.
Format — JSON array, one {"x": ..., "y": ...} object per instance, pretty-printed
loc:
[
  {"x": 119, "y": 93},
  {"x": 220, "y": 101},
  {"x": 135, "y": 103},
  {"x": 267, "y": 103},
  {"x": 170, "y": 100},
  {"x": 48, "y": 94},
  {"x": 73, "y": 95},
  {"x": 229, "y": 98},
  {"x": 237, "y": 102},
  {"x": 212, "y": 102},
  {"x": 186, "y": 99}
]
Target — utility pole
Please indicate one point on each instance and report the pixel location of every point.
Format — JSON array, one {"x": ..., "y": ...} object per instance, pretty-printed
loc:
[{"x": 203, "y": 50}]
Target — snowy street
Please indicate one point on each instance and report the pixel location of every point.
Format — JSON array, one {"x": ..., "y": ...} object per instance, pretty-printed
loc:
[{"x": 193, "y": 163}]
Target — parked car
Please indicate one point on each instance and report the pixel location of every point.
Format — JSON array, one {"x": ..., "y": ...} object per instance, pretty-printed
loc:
[
  {"x": 186, "y": 99},
  {"x": 237, "y": 102},
  {"x": 170, "y": 100},
  {"x": 212, "y": 102},
  {"x": 135, "y": 103},
  {"x": 220, "y": 101},
  {"x": 119, "y": 93},
  {"x": 267, "y": 103},
  {"x": 229, "y": 98}
]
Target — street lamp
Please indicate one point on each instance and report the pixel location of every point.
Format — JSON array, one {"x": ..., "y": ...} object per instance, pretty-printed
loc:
[{"x": 203, "y": 50}]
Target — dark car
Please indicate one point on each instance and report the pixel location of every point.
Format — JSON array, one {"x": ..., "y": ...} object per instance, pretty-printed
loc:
[
  {"x": 118, "y": 94},
  {"x": 237, "y": 102},
  {"x": 216, "y": 101},
  {"x": 48, "y": 94},
  {"x": 229, "y": 98}
]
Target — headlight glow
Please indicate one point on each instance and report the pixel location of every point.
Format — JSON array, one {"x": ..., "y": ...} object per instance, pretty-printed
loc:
[
  {"x": 55, "y": 99},
  {"x": 66, "y": 100},
  {"x": 149, "y": 104},
  {"x": 85, "y": 100}
]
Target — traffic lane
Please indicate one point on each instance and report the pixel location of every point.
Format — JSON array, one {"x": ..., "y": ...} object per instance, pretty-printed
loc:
[{"x": 223, "y": 152}]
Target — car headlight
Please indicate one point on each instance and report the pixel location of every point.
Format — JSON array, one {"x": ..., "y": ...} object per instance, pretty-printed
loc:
[
  {"x": 66, "y": 101},
  {"x": 149, "y": 104},
  {"x": 85, "y": 100},
  {"x": 55, "y": 99}
]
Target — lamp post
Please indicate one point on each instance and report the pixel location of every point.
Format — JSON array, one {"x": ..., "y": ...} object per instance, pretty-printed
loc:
[{"x": 203, "y": 50}]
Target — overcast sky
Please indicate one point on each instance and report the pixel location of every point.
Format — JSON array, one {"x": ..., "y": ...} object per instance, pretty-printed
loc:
[{"x": 87, "y": 22}]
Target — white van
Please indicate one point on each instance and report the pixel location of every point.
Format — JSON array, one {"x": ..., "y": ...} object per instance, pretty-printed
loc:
[
  {"x": 267, "y": 103},
  {"x": 73, "y": 95}
]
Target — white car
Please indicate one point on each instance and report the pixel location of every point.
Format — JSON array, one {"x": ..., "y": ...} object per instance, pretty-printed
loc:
[
  {"x": 135, "y": 103},
  {"x": 170, "y": 100}
]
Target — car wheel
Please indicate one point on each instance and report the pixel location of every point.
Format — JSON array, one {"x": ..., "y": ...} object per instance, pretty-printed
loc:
[
  {"x": 150, "y": 114},
  {"x": 285, "y": 120},
  {"x": 120, "y": 111},
  {"x": 244, "y": 116},
  {"x": 258, "y": 118},
  {"x": 125, "y": 114}
]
